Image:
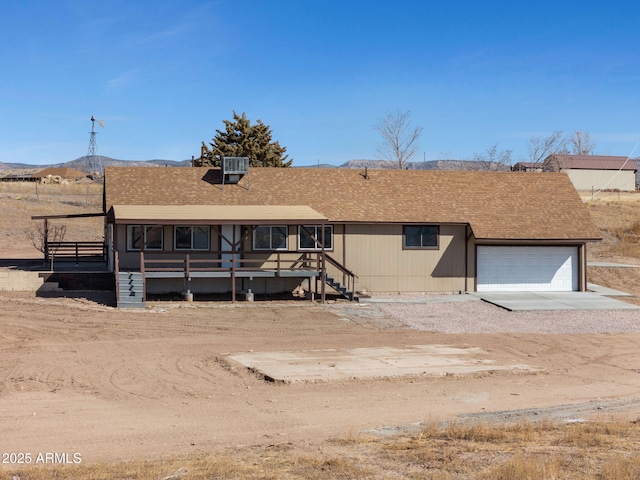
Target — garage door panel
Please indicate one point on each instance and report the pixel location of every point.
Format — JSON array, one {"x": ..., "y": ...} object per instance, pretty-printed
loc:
[{"x": 502, "y": 268}]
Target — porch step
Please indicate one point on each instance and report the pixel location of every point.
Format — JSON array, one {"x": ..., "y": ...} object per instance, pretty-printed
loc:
[
  {"x": 130, "y": 290},
  {"x": 341, "y": 289}
]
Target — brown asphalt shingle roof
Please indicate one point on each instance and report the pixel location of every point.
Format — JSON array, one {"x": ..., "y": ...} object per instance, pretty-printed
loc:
[
  {"x": 64, "y": 172},
  {"x": 497, "y": 205}
]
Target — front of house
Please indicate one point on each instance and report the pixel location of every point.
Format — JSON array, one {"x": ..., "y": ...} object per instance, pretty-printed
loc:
[{"x": 278, "y": 230}]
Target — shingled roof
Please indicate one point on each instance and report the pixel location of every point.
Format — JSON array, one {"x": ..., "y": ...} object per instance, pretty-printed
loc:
[
  {"x": 64, "y": 172},
  {"x": 497, "y": 205}
]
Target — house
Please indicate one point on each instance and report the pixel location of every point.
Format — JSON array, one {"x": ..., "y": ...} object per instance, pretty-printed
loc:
[
  {"x": 527, "y": 167},
  {"x": 595, "y": 172},
  {"x": 267, "y": 230}
]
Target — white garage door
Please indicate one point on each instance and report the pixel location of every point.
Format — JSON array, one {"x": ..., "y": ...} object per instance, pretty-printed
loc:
[{"x": 542, "y": 269}]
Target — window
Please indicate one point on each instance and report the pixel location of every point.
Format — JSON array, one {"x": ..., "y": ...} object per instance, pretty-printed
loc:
[
  {"x": 153, "y": 238},
  {"x": 191, "y": 238},
  {"x": 420, "y": 236},
  {"x": 266, "y": 237},
  {"x": 306, "y": 234},
  {"x": 149, "y": 236}
]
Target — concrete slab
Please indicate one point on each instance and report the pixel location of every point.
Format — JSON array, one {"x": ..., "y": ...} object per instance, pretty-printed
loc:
[
  {"x": 609, "y": 292},
  {"x": 379, "y": 362},
  {"x": 526, "y": 301},
  {"x": 611, "y": 265},
  {"x": 418, "y": 299}
]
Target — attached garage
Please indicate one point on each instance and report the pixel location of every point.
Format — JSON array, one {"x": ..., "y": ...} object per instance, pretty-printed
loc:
[{"x": 530, "y": 268}]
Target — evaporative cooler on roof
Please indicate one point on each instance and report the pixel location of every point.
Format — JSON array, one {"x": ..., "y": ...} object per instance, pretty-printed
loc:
[{"x": 234, "y": 168}]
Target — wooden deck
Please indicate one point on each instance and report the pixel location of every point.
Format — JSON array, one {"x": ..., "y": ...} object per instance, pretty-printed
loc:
[{"x": 245, "y": 265}]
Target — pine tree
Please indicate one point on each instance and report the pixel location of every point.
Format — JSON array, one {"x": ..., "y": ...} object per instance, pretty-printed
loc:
[{"x": 241, "y": 139}]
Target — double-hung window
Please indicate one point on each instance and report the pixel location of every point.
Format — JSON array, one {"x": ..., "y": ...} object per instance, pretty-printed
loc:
[
  {"x": 191, "y": 238},
  {"x": 270, "y": 237},
  {"x": 307, "y": 233},
  {"x": 148, "y": 236},
  {"x": 420, "y": 236}
]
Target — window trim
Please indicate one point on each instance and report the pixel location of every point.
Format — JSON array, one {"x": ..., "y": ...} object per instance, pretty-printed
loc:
[
  {"x": 421, "y": 247},
  {"x": 191, "y": 229},
  {"x": 144, "y": 246},
  {"x": 315, "y": 248},
  {"x": 271, "y": 249}
]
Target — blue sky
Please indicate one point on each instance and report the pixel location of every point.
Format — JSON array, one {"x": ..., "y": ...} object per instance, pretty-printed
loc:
[{"x": 164, "y": 75}]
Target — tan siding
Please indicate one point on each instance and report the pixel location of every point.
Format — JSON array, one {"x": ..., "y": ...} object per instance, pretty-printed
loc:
[
  {"x": 597, "y": 179},
  {"x": 375, "y": 254}
]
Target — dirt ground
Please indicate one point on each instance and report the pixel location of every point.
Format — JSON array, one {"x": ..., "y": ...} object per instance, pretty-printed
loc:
[{"x": 79, "y": 377}]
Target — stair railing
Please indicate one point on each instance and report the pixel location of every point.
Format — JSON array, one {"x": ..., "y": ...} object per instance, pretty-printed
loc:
[{"x": 348, "y": 277}]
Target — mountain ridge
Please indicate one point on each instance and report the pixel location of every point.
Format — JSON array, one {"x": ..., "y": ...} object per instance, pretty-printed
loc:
[{"x": 84, "y": 164}]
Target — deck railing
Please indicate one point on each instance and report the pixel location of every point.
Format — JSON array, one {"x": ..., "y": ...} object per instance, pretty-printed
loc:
[
  {"x": 76, "y": 251},
  {"x": 290, "y": 264},
  {"x": 214, "y": 262}
]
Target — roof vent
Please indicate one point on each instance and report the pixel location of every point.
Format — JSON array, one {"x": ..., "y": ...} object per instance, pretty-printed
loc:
[{"x": 234, "y": 168}]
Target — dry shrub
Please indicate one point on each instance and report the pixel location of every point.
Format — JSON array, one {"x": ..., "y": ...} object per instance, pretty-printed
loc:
[
  {"x": 598, "y": 433},
  {"x": 322, "y": 469},
  {"x": 622, "y": 468},
  {"x": 529, "y": 467},
  {"x": 483, "y": 431}
]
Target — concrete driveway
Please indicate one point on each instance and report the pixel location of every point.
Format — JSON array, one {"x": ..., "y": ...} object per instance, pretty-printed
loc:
[{"x": 523, "y": 301}]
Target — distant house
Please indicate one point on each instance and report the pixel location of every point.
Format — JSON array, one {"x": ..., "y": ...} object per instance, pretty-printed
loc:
[
  {"x": 271, "y": 230},
  {"x": 527, "y": 167},
  {"x": 595, "y": 172},
  {"x": 64, "y": 173}
]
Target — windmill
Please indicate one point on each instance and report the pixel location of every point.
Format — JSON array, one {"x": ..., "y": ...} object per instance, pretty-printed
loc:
[{"x": 94, "y": 161}]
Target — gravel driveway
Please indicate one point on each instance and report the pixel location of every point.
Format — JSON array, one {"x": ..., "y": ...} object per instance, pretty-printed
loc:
[{"x": 476, "y": 316}]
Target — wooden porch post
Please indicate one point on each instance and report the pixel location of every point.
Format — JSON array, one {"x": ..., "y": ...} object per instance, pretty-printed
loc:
[
  {"x": 144, "y": 277},
  {"x": 324, "y": 266},
  {"x": 233, "y": 264},
  {"x": 116, "y": 270}
]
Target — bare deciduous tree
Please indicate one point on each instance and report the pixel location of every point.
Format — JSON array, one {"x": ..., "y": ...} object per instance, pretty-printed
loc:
[
  {"x": 493, "y": 160},
  {"x": 399, "y": 138},
  {"x": 541, "y": 147},
  {"x": 42, "y": 234},
  {"x": 581, "y": 143}
]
